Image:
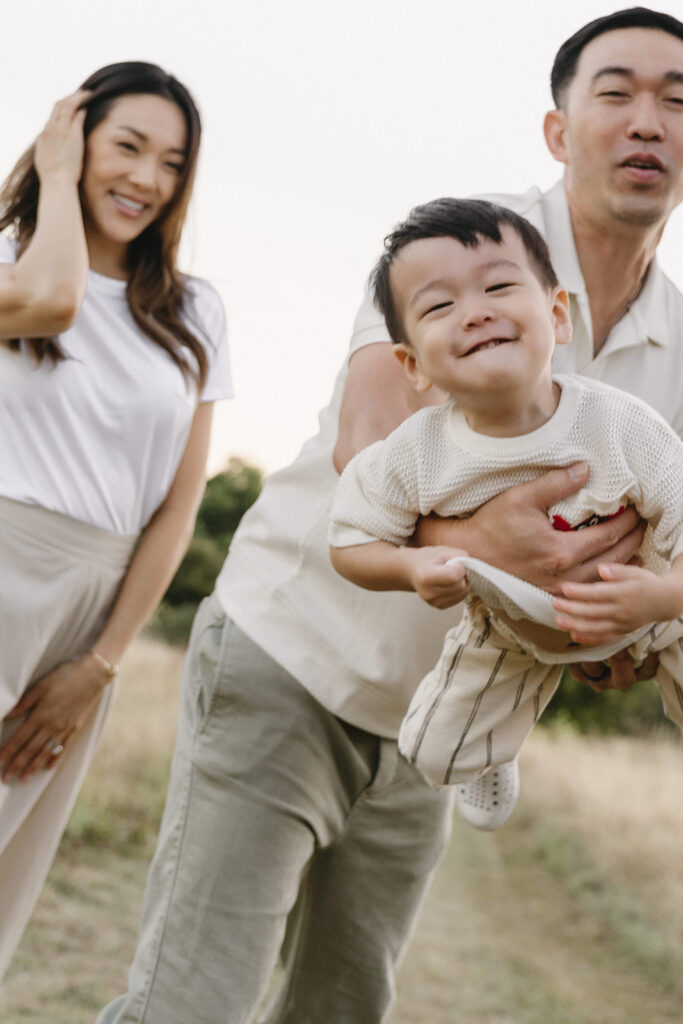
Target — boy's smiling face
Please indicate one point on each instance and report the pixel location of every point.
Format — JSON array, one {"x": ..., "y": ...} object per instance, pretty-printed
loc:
[{"x": 480, "y": 325}]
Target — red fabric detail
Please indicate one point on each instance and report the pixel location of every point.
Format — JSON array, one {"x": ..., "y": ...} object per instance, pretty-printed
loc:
[{"x": 559, "y": 523}]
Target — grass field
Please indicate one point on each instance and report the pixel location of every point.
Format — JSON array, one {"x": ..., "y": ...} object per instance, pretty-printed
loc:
[{"x": 571, "y": 914}]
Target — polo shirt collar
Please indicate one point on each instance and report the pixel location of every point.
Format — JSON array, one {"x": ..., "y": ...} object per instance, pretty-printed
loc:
[
  {"x": 649, "y": 309},
  {"x": 647, "y": 314},
  {"x": 560, "y": 239}
]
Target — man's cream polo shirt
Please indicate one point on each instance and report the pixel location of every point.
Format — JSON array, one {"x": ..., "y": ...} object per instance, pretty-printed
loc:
[{"x": 361, "y": 654}]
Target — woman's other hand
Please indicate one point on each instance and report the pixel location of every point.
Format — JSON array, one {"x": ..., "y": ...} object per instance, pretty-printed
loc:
[{"x": 55, "y": 708}]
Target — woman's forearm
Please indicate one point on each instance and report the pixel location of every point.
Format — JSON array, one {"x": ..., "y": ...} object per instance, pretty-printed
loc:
[
  {"x": 56, "y": 260},
  {"x": 152, "y": 568},
  {"x": 41, "y": 293},
  {"x": 45, "y": 288}
]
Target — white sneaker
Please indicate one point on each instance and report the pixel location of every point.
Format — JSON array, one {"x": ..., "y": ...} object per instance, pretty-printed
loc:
[{"x": 488, "y": 801}]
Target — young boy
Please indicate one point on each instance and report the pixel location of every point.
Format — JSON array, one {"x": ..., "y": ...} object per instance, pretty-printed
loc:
[{"x": 473, "y": 306}]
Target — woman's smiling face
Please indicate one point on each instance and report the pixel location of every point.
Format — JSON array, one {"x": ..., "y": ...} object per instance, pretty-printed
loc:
[{"x": 134, "y": 161}]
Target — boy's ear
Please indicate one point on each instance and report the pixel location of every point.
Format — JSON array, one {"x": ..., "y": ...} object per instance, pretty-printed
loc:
[
  {"x": 561, "y": 318},
  {"x": 555, "y": 130},
  {"x": 408, "y": 360}
]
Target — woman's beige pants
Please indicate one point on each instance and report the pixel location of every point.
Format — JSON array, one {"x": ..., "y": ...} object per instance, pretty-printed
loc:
[{"x": 58, "y": 579}]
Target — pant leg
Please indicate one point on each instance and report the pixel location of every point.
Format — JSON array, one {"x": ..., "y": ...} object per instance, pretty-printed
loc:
[
  {"x": 58, "y": 579},
  {"x": 360, "y": 901},
  {"x": 669, "y": 679},
  {"x": 42, "y": 812},
  {"x": 262, "y": 778},
  {"x": 477, "y": 706},
  {"x": 666, "y": 639}
]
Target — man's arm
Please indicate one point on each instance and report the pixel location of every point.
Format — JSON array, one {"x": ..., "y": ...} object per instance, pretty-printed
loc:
[{"x": 377, "y": 398}]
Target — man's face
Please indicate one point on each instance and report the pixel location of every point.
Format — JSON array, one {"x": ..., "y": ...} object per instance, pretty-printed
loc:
[{"x": 620, "y": 131}]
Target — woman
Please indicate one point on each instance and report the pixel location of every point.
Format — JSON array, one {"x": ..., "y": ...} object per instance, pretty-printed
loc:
[{"x": 109, "y": 363}]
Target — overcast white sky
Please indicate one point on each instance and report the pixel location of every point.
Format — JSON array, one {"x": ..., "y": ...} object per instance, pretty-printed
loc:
[{"x": 324, "y": 123}]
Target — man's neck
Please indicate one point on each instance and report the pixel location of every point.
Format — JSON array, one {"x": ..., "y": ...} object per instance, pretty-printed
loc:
[{"x": 614, "y": 259}]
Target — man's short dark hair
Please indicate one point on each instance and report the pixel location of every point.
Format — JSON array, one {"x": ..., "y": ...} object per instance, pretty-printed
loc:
[
  {"x": 468, "y": 221},
  {"x": 567, "y": 57}
]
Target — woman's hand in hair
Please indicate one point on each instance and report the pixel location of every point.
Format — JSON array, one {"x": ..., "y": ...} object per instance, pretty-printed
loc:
[
  {"x": 55, "y": 708},
  {"x": 59, "y": 147},
  {"x": 41, "y": 294}
]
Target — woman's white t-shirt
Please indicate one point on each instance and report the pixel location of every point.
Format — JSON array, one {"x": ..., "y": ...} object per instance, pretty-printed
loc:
[{"x": 98, "y": 436}]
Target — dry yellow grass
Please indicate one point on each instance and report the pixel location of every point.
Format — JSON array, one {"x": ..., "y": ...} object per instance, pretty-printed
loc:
[
  {"x": 144, "y": 715},
  {"x": 125, "y": 786},
  {"x": 619, "y": 796},
  {"x": 571, "y": 913},
  {"x": 621, "y": 799}
]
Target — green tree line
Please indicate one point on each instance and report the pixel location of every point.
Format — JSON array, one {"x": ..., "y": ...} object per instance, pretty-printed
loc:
[{"x": 227, "y": 497}]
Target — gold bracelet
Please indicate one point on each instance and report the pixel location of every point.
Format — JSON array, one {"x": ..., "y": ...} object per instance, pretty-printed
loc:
[{"x": 111, "y": 670}]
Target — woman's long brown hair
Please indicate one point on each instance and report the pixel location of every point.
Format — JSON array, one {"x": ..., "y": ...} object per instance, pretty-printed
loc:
[{"x": 156, "y": 290}]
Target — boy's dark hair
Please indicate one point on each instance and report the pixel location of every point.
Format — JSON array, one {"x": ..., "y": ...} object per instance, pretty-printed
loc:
[
  {"x": 567, "y": 57},
  {"x": 468, "y": 221}
]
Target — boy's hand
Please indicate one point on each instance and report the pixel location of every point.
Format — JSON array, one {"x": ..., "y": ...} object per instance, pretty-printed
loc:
[
  {"x": 629, "y": 597},
  {"x": 438, "y": 580}
]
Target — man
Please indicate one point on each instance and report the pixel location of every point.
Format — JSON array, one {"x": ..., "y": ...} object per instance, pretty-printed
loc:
[
  {"x": 290, "y": 820},
  {"x": 617, "y": 127}
]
